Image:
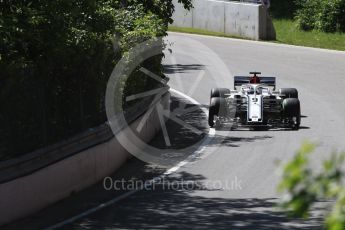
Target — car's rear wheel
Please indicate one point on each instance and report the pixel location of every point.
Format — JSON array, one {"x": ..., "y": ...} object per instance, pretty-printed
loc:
[
  {"x": 292, "y": 111},
  {"x": 289, "y": 92}
]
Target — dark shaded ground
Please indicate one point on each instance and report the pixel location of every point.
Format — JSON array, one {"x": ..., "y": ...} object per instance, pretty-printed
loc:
[
  {"x": 87, "y": 199},
  {"x": 168, "y": 209},
  {"x": 179, "y": 68},
  {"x": 237, "y": 141},
  {"x": 180, "y": 136}
]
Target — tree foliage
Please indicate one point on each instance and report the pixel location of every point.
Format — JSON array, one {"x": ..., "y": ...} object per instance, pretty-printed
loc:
[
  {"x": 302, "y": 186},
  {"x": 322, "y": 15},
  {"x": 283, "y": 9},
  {"x": 56, "y": 58}
]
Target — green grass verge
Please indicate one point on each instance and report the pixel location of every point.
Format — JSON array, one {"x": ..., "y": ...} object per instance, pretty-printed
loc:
[
  {"x": 201, "y": 32},
  {"x": 287, "y": 33}
]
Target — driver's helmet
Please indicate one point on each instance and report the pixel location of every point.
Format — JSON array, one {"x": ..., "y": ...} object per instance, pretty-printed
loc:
[
  {"x": 259, "y": 90},
  {"x": 251, "y": 90},
  {"x": 246, "y": 89}
]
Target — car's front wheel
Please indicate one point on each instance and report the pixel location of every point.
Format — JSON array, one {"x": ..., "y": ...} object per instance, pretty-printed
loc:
[
  {"x": 217, "y": 105},
  {"x": 292, "y": 111},
  {"x": 220, "y": 92}
]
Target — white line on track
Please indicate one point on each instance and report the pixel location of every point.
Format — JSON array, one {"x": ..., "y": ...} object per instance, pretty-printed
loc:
[{"x": 174, "y": 169}]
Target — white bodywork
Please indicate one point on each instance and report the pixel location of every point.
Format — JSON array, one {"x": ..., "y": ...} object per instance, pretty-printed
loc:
[
  {"x": 255, "y": 94},
  {"x": 255, "y": 108}
]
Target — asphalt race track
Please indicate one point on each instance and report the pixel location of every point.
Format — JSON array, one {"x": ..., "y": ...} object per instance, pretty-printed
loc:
[{"x": 233, "y": 181}]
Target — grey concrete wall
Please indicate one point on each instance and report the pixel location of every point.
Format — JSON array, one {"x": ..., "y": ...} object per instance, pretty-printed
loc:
[
  {"x": 204, "y": 11},
  {"x": 233, "y": 18},
  {"x": 182, "y": 17},
  {"x": 242, "y": 20},
  {"x": 31, "y": 193}
]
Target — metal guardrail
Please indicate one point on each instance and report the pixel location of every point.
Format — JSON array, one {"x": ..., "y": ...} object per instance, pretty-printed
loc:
[{"x": 41, "y": 158}]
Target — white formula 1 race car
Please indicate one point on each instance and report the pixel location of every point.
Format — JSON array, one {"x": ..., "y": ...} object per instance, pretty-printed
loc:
[{"x": 256, "y": 104}]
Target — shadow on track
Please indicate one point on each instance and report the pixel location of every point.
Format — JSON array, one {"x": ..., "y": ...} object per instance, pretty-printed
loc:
[
  {"x": 178, "y": 68},
  {"x": 236, "y": 141},
  {"x": 184, "y": 209},
  {"x": 180, "y": 135}
]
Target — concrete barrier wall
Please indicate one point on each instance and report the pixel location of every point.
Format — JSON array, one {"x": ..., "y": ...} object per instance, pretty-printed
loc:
[
  {"x": 233, "y": 18},
  {"x": 182, "y": 18},
  {"x": 204, "y": 11},
  {"x": 31, "y": 193},
  {"x": 242, "y": 20}
]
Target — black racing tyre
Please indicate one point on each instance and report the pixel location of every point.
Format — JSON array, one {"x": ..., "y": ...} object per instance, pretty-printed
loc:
[
  {"x": 220, "y": 92},
  {"x": 217, "y": 107},
  {"x": 292, "y": 109},
  {"x": 289, "y": 92}
]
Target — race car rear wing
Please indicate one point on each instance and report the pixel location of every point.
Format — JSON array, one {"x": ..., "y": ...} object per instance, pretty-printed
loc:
[{"x": 240, "y": 80}]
